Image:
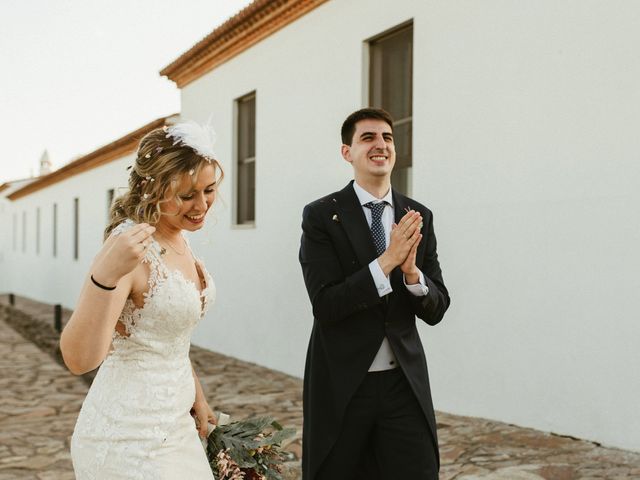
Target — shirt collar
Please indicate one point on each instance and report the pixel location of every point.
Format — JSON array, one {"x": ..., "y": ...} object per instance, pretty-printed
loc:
[{"x": 366, "y": 197}]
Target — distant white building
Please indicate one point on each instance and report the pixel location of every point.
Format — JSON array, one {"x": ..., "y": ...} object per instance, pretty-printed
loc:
[
  {"x": 516, "y": 125},
  {"x": 10, "y": 228},
  {"x": 56, "y": 221}
]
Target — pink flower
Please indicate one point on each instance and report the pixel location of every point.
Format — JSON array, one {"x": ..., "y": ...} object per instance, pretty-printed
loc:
[{"x": 227, "y": 468}]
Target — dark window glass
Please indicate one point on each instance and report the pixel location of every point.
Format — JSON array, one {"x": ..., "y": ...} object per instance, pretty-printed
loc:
[
  {"x": 391, "y": 88},
  {"x": 110, "y": 195},
  {"x": 54, "y": 230},
  {"x": 246, "y": 165},
  {"x": 38, "y": 231},
  {"x": 76, "y": 233},
  {"x": 15, "y": 232},
  {"x": 24, "y": 232}
]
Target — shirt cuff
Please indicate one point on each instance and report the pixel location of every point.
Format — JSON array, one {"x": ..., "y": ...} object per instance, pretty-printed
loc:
[
  {"x": 383, "y": 285},
  {"x": 419, "y": 289}
]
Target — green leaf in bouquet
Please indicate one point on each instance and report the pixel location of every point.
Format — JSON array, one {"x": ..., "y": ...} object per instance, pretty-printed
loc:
[
  {"x": 252, "y": 444},
  {"x": 278, "y": 437}
]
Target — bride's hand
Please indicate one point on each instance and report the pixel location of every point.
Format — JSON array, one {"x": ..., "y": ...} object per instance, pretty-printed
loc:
[
  {"x": 203, "y": 415},
  {"x": 120, "y": 254}
]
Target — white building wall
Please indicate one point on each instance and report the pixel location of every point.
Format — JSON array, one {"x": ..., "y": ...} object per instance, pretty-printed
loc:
[
  {"x": 6, "y": 238},
  {"x": 524, "y": 147},
  {"x": 58, "y": 279}
]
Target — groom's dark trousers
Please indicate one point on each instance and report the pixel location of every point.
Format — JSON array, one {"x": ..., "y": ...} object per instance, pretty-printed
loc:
[
  {"x": 360, "y": 424},
  {"x": 385, "y": 421}
]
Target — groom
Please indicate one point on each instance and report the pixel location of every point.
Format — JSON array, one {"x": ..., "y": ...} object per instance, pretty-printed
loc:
[{"x": 369, "y": 260}]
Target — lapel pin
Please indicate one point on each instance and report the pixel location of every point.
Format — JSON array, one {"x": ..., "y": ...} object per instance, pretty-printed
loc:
[{"x": 335, "y": 218}]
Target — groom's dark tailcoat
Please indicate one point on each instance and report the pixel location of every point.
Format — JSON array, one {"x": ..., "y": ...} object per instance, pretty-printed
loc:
[{"x": 351, "y": 320}]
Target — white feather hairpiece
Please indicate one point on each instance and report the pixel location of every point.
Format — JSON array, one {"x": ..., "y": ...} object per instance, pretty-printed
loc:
[{"x": 199, "y": 137}]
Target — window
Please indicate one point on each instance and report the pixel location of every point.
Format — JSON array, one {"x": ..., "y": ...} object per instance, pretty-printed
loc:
[
  {"x": 246, "y": 165},
  {"x": 75, "y": 228},
  {"x": 38, "y": 231},
  {"x": 15, "y": 232},
  {"x": 54, "y": 229},
  {"x": 24, "y": 232},
  {"x": 110, "y": 195},
  {"x": 391, "y": 88}
]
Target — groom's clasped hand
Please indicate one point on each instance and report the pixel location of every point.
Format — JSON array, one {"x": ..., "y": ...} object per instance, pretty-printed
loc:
[{"x": 403, "y": 245}]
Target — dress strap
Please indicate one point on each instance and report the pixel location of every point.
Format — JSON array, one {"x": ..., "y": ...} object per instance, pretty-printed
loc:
[
  {"x": 188, "y": 245},
  {"x": 158, "y": 270}
]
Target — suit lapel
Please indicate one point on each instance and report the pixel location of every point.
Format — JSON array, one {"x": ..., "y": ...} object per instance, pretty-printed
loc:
[
  {"x": 400, "y": 205},
  {"x": 355, "y": 224}
]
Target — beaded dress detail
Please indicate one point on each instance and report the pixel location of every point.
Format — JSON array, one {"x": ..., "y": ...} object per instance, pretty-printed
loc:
[{"x": 135, "y": 422}]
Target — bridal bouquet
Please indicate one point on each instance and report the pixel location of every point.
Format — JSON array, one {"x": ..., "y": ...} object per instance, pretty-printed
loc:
[{"x": 247, "y": 449}]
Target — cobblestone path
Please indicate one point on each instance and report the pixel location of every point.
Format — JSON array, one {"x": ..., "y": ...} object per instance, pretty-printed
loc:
[{"x": 39, "y": 402}]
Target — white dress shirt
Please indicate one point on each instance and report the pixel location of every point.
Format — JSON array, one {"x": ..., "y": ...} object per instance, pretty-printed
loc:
[{"x": 385, "y": 358}]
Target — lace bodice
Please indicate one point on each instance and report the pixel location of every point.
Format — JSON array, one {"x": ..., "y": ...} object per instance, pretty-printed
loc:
[
  {"x": 172, "y": 307},
  {"x": 135, "y": 422}
]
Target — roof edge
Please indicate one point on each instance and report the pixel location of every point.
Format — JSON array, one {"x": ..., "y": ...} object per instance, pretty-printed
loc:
[
  {"x": 101, "y": 156},
  {"x": 246, "y": 28}
]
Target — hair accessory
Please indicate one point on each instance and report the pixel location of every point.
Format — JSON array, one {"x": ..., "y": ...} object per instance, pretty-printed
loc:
[
  {"x": 200, "y": 138},
  {"x": 159, "y": 149},
  {"x": 191, "y": 172},
  {"x": 129, "y": 167},
  {"x": 99, "y": 285},
  {"x": 148, "y": 155},
  {"x": 145, "y": 196}
]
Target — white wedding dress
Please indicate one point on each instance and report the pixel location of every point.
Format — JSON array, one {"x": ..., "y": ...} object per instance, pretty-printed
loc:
[{"x": 135, "y": 421}]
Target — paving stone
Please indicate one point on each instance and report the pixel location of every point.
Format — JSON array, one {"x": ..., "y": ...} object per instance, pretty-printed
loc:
[{"x": 40, "y": 400}]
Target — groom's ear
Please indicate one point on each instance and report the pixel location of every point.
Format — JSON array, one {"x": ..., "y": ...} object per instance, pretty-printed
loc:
[{"x": 345, "y": 150}]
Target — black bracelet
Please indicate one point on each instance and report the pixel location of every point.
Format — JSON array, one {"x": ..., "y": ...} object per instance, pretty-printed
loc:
[{"x": 99, "y": 285}]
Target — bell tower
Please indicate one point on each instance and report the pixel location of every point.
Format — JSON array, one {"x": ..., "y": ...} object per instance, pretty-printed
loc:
[{"x": 45, "y": 164}]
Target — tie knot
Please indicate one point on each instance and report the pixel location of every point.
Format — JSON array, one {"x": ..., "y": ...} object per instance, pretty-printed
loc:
[{"x": 376, "y": 208}]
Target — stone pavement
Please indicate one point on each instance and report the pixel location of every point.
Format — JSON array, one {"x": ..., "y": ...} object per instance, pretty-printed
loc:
[{"x": 39, "y": 401}]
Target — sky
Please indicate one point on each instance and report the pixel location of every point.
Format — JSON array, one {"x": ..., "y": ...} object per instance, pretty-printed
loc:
[{"x": 78, "y": 74}]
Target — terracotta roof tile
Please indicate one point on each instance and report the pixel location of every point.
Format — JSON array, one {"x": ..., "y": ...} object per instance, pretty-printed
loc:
[{"x": 248, "y": 27}]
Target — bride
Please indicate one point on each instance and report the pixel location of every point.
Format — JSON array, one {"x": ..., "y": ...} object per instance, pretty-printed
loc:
[{"x": 143, "y": 296}]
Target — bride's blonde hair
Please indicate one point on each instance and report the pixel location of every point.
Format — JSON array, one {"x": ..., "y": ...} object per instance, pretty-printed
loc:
[{"x": 155, "y": 177}]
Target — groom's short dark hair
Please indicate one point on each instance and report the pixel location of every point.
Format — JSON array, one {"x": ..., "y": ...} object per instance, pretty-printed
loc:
[{"x": 349, "y": 125}]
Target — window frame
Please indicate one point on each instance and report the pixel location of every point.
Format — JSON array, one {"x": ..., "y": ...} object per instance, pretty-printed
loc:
[
  {"x": 76, "y": 228},
  {"x": 54, "y": 230},
  {"x": 374, "y": 75},
  {"x": 37, "y": 230},
  {"x": 239, "y": 220},
  {"x": 24, "y": 231}
]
